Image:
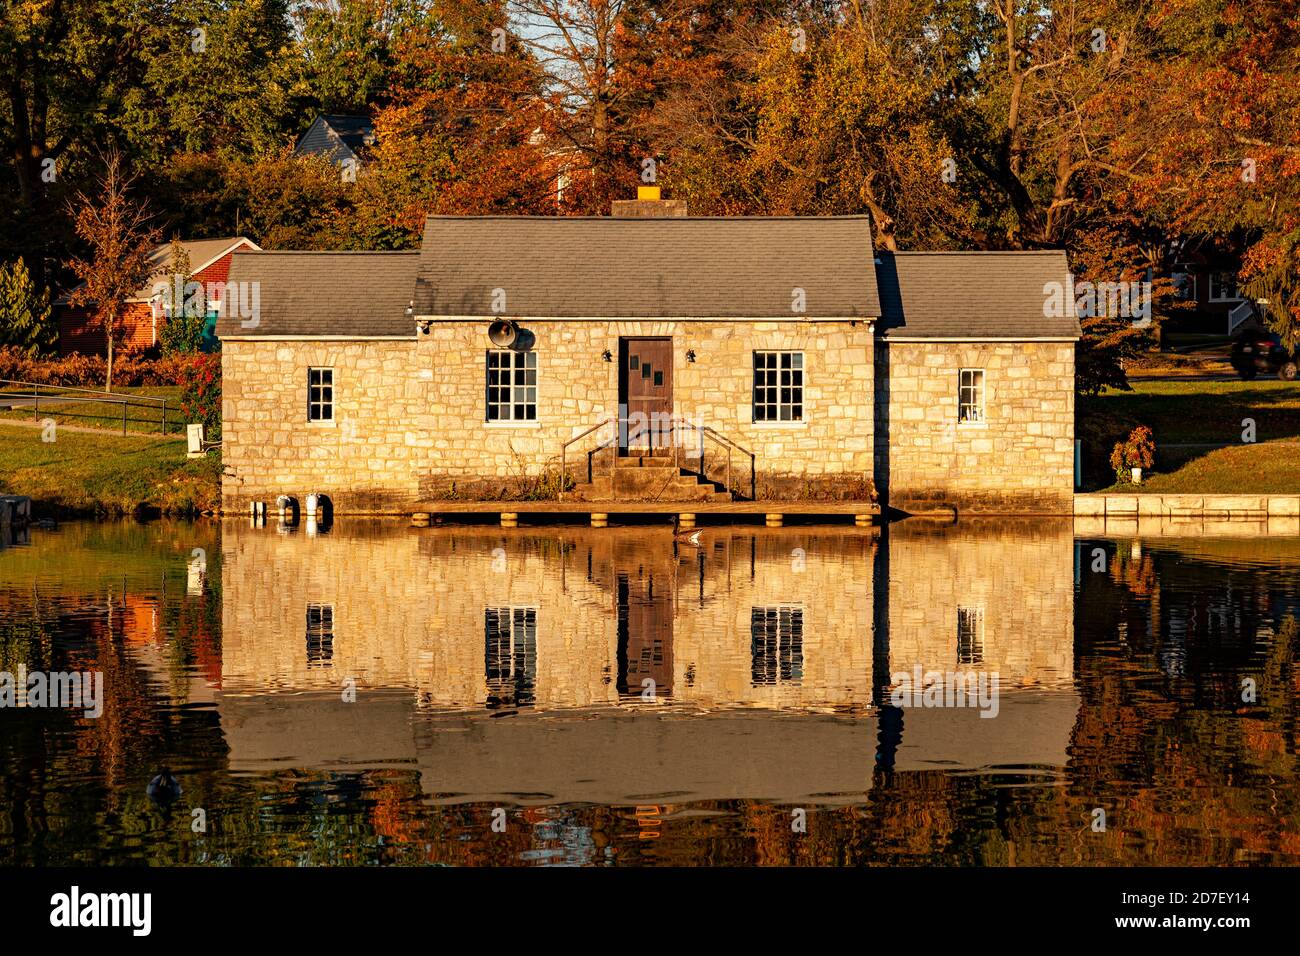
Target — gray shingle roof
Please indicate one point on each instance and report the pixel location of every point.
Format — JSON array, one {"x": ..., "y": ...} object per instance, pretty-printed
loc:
[
  {"x": 972, "y": 295},
  {"x": 326, "y": 293},
  {"x": 705, "y": 268},
  {"x": 336, "y": 136},
  {"x": 652, "y": 268}
]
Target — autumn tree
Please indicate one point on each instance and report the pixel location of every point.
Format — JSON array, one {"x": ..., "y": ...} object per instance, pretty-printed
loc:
[
  {"x": 816, "y": 121},
  {"x": 575, "y": 46},
  {"x": 121, "y": 239},
  {"x": 467, "y": 131},
  {"x": 1212, "y": 133}
]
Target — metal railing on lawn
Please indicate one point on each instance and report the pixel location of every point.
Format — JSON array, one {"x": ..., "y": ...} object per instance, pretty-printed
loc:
[{"x": 15, "y": 395}]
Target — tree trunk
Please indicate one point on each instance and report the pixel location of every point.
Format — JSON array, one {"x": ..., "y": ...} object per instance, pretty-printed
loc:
[
  {"x": 108, "y": 334},
  {"x": 882, "y": 221}
]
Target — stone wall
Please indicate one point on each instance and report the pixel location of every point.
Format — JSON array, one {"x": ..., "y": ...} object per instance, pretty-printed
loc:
[
  {"x": 577, "y": 388},
  {"x": 410, "y": 415},
  {"x": 1020, "y": 459},
  {"x": 364, "y": 460}
]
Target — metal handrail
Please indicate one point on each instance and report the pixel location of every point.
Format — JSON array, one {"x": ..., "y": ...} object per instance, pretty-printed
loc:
[
  {"x": 105, "y": 397},
  {"x": 564, "y": 450},
  {"x": 88, "y": 391},
  {"x": 730, "y": 444},
  {"x": 704, "y": 431}
]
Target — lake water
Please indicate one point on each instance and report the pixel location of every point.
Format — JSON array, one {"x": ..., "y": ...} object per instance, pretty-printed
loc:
[{"x": 470, "y": 695}]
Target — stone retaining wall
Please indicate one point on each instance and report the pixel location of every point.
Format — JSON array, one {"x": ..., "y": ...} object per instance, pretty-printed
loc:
[
  {"x": 1189, "y": 506},
  {"x": 1159, "y": 515}
]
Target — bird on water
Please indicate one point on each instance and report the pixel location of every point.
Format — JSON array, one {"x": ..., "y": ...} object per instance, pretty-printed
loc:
[
  {"x": 689, "y": 536},
  {"x": 164, "y": 789}
]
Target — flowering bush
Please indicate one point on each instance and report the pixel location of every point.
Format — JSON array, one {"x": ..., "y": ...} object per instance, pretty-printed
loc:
[
  {"x": 1138, "y": 452},
  {"x": 200, "y": 378}
]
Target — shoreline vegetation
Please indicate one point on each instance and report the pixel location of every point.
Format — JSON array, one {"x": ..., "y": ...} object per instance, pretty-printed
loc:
[{"x": 86, "y": 473}]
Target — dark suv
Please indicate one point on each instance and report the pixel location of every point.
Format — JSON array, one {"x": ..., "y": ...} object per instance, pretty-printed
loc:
[{"x": 1259, "y": 351}]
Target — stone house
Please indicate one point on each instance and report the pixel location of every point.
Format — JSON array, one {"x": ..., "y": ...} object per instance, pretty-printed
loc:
[{"x": 672, "y": 358}]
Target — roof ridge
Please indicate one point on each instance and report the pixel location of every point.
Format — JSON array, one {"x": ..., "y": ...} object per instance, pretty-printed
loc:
[
  {"x": 971, "y": 252},
  {"x": 329, "y": 252},
  {"x": 854, "y": 217}
]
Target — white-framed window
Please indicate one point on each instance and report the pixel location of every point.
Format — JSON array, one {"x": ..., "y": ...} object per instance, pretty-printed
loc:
[
  {"x": 1184, "y": 282},
  {"x": 970, "y": 635},
  {"x": 776, "y": 644},
  {"x": 778, "y": 386},
  {"x": 511, "y": 386},
  {"x": 320, "y": 394},
  {"x": 1223, "y": 287},
  {"x": 970, "y": 396}
]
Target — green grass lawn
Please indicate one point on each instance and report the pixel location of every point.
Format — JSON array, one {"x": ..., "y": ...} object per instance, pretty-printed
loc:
[
  {"x": 1198, "y": 428},
  {"x": 106, "y": 415},
  {"x": 107, "y": 474}
]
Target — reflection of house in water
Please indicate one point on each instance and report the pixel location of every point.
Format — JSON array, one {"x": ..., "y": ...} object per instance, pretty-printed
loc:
[
  {"x": 645, "y": 636},
  {"x": 776, "y": 644},
  {"x": 786, "y": 637},
  {"x": 320, "y": 635},
  {"x": 510, "y": 658}
]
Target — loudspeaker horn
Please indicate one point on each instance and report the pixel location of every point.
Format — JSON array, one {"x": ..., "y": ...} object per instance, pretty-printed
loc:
[{"x": 503, "y": 333}]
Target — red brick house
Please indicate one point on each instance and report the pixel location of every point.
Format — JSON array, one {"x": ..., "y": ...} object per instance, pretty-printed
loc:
[{"x": 143, "y": 319}]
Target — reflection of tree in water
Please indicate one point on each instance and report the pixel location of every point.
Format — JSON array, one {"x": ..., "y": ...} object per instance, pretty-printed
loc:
[{"x": 1163, "y": 739}]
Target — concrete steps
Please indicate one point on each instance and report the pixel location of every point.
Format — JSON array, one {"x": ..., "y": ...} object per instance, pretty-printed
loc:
[{"x": 648, "y": 478}]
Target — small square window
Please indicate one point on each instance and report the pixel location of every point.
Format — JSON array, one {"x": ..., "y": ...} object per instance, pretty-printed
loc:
[{"x": 1223, "y": 287}]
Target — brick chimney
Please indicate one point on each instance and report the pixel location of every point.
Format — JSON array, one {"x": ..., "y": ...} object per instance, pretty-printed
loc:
[{"x": 648, "y": 205}]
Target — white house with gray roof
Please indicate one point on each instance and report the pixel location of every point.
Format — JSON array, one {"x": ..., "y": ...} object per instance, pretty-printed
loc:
[{"x": 642, "y": 358}]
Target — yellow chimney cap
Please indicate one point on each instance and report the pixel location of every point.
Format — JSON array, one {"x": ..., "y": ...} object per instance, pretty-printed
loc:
[{"x": 647, "y": 193}]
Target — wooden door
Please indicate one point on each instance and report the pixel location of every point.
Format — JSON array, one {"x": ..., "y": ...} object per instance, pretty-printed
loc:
[{"x": 645, "y": 393}]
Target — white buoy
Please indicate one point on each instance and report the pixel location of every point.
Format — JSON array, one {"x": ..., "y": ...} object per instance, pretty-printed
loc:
[{"x": 288, "y": 506}]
